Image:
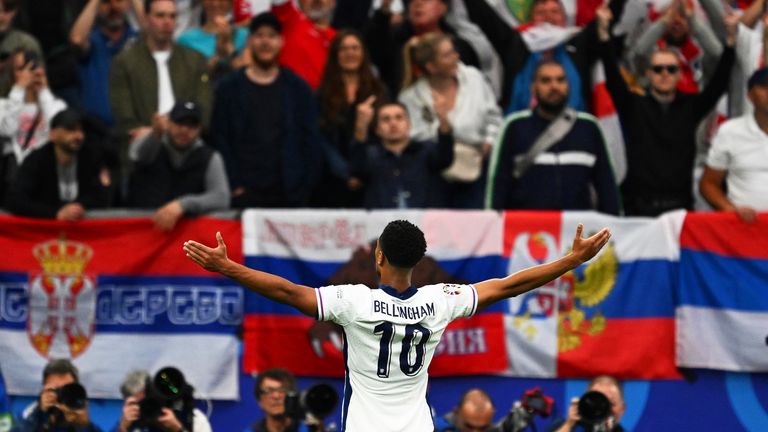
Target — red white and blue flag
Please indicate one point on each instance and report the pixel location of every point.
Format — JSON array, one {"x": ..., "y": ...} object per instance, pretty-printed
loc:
[
  {"x": 722, "y": 315},
  {"x": 604, "y": 317},
  {"x": 115, "y": 295}
]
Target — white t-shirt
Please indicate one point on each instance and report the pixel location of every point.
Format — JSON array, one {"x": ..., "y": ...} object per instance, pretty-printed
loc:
[
  {"x": 165, "y": 98},
  {"x": 741, "y": 148},
  {"x": 389, "y": 341}
]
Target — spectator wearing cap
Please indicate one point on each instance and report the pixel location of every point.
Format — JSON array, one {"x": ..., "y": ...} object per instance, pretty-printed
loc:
[
  {"x": 63, "y": 178},
  {"x": 738, "y": 158},
  {"x": 265, "y": 126},
  {"x": 307, "y": 35},
  {"x": 12, "y": 40},
  {"x": 148, "y": 77},
  {"x": 175, "y": 172},
  {"x": 100, "y": 33}
]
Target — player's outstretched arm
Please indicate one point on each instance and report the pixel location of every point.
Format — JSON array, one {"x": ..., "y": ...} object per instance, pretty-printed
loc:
[
  {"x": 270, "y": 286},
  {"x": 493, "y": 290}
]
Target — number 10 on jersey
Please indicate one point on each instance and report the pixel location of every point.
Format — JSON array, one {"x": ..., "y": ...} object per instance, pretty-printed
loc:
[{"x": 415, "y": 339}]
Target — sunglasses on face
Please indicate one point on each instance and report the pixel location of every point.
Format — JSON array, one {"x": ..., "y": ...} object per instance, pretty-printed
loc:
[{"x": 671, "y": 69}]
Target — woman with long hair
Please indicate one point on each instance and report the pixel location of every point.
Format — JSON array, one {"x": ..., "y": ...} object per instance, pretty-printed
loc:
[
  {"x": 348, "y": 82},
  {"x": 473, "y": 112}
]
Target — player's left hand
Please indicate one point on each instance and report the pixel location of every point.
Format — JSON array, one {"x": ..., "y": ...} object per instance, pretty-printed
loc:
[
  {"x": 208, "y": 258},
  {"x": 585, "y": 248}
]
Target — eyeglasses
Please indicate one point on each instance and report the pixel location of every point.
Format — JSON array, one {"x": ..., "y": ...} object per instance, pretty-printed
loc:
[
  {"x": 270, "y": 390},
  {"x": 671, "y": 69}
]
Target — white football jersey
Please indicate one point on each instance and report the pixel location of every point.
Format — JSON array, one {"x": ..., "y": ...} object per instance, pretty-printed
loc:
[{"x": 389, "y": 341}]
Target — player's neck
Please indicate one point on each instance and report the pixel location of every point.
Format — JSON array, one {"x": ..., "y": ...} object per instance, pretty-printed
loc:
[{"x": 397, "y": 280}]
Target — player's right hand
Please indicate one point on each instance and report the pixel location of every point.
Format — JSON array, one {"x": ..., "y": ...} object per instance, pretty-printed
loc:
[{"x": 211, "y": 259}]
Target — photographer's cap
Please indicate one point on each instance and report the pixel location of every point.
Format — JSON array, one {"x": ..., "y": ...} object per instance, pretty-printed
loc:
[
  {"x": 758, "y": 78},
  {"x": 186, "y": 112}
]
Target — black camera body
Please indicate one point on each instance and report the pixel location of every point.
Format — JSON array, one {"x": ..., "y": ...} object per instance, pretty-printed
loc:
[
  {"x": 167, "y": 389},
  {"x": 595, "y": 410},
  {"x": 318, "y": 401},
  {"x": 72, "y": 396}
]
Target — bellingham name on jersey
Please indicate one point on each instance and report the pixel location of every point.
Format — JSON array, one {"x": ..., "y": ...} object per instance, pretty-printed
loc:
[{"x": 401, "y": 311}]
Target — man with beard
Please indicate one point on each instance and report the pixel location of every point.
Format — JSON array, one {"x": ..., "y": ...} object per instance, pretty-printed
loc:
[
  {"x": 147, "y": 78},
  {"x": 551, "y": 157},
  {"x": 63, "y": 178},
  {"x": 307, "y": 35},
  {"x": 264, "y": 124},
  {"x": 97, "y": 47}
]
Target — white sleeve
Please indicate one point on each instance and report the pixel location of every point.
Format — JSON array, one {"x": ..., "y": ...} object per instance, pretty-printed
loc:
[
  {"x": 461, "y": 300},
  {"x": 719, "y": 157},
  {"x": 200, "y": 422},
  {"x": 340, "y": 303}
]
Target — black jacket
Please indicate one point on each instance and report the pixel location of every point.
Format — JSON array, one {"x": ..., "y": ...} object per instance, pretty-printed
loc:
[
  {"x": 661, "y": 141},
  {"x": 35, "y": 191}
]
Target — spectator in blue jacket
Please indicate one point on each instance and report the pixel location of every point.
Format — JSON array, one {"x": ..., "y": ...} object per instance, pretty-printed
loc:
[{"x": 561, "y": 175}]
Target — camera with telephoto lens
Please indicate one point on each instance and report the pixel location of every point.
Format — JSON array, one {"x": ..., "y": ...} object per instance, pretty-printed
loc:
[
  {"x": 318, "y": 401},
  {"x": 167, "y": 389},
  {"x": 595, "y": 410},
  {"x": 72, "y": 396},
  {"x": 534, "y": 402}
]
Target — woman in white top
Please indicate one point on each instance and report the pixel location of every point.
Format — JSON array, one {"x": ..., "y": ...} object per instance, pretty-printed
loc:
[
  {"x": 27, "y": 110},
  {"x": 474, "y": 114}
]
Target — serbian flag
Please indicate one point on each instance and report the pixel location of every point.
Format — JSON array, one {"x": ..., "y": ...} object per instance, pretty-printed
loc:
[
  {"x": 323, "y": 247},
  {"x": 612, "y": 315},
  {"x": 722, "y": 318},
  {"x": 114, "y": 295}
]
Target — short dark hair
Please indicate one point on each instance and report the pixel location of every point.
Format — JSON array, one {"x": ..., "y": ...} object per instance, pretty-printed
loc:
[
  {"x": 277, "y": 374},
  {"x": 386, "y": 104},
  {"x": 402, "y": 243},
  {"x": 60, "y": 366},
  {"x": 265, "y": 19},
  {"x": 148, "y": 4},
  {"x": 546, "y": 62}
]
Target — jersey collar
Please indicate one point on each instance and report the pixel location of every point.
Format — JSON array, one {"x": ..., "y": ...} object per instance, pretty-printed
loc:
[{"x": 405, "y": 295}]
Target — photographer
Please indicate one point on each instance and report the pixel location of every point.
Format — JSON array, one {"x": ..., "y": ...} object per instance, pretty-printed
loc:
[
  {"x": 586, "y": 413},
  {"x": 288, "y": 410},
  {"x": 474, "y": 413},
  {"x": 62, "y": 405},
  {"x": 271, "y": 387},
  {"x": 139, "y": 415}
]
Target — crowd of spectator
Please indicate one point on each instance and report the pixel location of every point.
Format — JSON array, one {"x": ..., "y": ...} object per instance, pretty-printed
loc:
[{"x": 185, "y": 107}]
